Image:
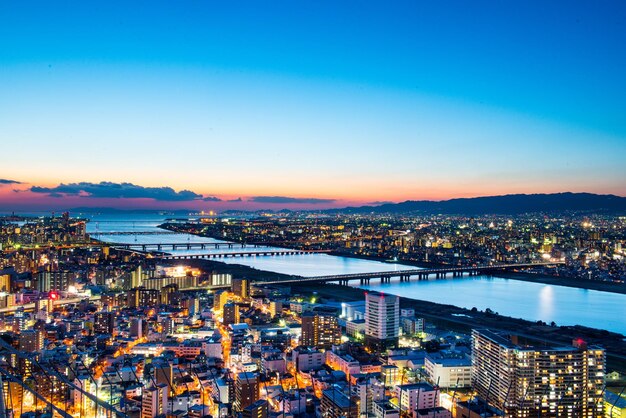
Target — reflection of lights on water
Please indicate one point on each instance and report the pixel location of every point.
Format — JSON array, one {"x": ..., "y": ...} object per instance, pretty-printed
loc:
[{"x": 546, "y": 303}]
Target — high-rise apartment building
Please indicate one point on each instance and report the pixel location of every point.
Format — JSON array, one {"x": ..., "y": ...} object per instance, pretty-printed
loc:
[
  {"x": 154, "y": 401},
  {"x": 246, "y": 390},
  {"x": 104, "y": 322},
  {"x": 140, "y": 296},
  {"x": 230, "y": 314},
  {"x": 320, "y": 330},
  {"x": 31, "y": 341},
  {"x": 538, "y": 381},
  {"x": 382, "y": 319},
  {"x": 19, "y": 320},
  {"x": 241, "y": 287}
]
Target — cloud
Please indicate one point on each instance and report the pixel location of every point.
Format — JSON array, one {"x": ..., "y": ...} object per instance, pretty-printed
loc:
[
  {"x": 7, "y": 181},
  {"x": 290, "y": 200},
  {"x": 379, "y": 203},
  {"x": 236, "y": 200},
  {"x": 106, "y": 189},
  {"x": 211, "y": 199}
]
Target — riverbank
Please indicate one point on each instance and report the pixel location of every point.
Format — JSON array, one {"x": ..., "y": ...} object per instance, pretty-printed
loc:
[
  {"x": 464, "y": 320},
  {"x": 238, "y": 271},
  {"x": 522, "y": 276}
]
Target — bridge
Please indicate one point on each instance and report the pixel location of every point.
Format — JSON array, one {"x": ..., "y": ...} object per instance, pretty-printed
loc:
[
  {"x": 406, "y": 275},
  {"x": 182, "y": 245},
  {"x": 30, "y": 307},
  {"x": 265, "y": 253}
]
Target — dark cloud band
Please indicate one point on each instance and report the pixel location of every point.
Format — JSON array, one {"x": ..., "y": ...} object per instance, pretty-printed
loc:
[
  {"x": 110, "y": 190},
  {"x": 7, "y": 181}
]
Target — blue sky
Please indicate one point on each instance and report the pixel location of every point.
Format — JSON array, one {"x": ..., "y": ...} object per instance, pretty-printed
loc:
[{"x": 352, "y": 102}]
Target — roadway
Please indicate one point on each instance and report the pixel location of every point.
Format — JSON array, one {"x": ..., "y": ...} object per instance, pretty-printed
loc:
[{"x": 59, "y": 302}]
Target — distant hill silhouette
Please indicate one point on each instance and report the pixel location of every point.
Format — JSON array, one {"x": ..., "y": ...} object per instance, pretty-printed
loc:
[{"x": 511, "y": 204}]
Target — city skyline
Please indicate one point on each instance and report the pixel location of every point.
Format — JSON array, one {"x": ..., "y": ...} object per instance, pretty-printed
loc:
[
  {"x": 309, "y": 209},
  {"x": 323, "y": 106}
]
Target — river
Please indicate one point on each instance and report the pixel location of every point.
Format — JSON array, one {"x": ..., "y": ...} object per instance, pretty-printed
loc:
[{"x": 527, "y": 300}]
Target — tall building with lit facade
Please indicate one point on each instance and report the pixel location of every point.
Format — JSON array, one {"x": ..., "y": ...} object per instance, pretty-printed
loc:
[
  {"x": 19, "y": 320},
  {"x": 538, "y": 381},
  {"x": 246, "y": 390},
  {"x": 140, "y": 296},
  {"x": 320, "y": 330},
  {"x": 154, "y": 401},
  {"x": 382, "y": 319},
  {"x": 230, "y": 314},
  {"x": 241, "y": 287},
  {"x": 31, "y": 341},
  {"x": 104, "y": 322}
]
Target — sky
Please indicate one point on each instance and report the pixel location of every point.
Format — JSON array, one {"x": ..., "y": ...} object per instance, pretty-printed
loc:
[{"x": 248, "y": 104}]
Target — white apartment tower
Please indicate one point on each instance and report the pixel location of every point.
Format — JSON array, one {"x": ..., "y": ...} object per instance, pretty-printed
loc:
[
  {"x": 154, "y": 401},
  {"x": 382, "y": 319}
]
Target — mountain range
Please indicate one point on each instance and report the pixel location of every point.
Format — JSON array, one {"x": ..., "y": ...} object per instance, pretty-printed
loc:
[{"x": 512, "y": 204}]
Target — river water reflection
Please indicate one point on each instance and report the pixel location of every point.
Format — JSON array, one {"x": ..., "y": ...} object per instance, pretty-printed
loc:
[{"x": 532, "y": 301}]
